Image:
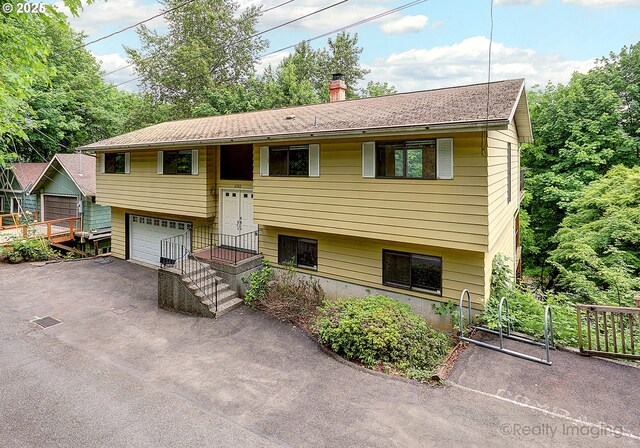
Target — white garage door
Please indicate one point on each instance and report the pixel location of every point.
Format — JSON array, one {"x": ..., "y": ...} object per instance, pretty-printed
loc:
[{"x": 146, "y": 233}]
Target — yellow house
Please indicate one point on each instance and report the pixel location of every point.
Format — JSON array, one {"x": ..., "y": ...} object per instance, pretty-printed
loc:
[{"x": 410, "y": 195}]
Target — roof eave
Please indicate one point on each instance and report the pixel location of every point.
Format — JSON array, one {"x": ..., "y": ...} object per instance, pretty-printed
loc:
[{"x": 467, "y": 126}]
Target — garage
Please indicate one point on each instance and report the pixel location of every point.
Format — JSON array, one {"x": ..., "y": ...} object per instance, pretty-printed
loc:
[
  {"x": 145, "y": 234},
  {"x": 60, "y": 207}
]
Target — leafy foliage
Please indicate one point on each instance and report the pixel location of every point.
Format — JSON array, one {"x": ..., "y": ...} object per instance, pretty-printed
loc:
[
  {"x": 581, "y": 130},
  {"x": 27, "y": 249},
  {"x": 526, "y": 310},
  {"x": 379, "y": 330},
  {"x": 598, "y": 253},
  {"x": 257, "y": 282},
  {"x": 209, "y": 45}
]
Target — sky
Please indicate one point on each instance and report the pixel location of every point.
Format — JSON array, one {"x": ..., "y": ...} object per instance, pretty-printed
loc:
[{"x": 434, "y": 44}]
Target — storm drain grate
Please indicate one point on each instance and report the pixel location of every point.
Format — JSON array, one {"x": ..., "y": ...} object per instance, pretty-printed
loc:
[{"x": 47, "y": 321}]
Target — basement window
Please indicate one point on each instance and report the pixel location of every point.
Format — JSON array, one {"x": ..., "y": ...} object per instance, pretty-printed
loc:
[
  {"x": 412, "y": 271},
  {"x": 300, "y": 252}
]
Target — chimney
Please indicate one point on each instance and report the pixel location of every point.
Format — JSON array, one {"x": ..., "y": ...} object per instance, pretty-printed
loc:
[{"x": 337, "y": 87}]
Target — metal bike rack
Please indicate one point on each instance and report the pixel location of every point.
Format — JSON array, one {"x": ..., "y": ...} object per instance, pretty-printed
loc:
[{"x": 504, "y": 332}]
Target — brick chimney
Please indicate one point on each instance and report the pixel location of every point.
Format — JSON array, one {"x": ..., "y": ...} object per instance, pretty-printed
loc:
[{"x": 337, "y": 87}]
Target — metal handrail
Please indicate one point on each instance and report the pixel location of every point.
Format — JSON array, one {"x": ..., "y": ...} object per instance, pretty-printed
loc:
[{"x": 169, "y": 251}]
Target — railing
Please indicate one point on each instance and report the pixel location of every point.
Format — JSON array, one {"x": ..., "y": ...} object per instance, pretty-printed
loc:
[
  {"x": 54, "y": 230},
  {"x": 29, "y": 216},
  {"x": 609, "y": 331},
  {"x": 176, "y": 252},
  {"x": 206, "y": 243}
]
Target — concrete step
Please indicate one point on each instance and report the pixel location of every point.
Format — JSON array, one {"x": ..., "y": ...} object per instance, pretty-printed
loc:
[{"x": 228, "y": 306}]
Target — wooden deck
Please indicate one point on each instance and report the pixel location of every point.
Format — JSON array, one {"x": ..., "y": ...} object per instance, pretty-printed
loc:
[
  {"x": 57, "y": 230},
  {"x": 223, "y": 255}
]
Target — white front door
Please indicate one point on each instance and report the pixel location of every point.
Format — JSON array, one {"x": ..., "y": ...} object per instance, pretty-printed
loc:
[{"x": 237, "y": 226}]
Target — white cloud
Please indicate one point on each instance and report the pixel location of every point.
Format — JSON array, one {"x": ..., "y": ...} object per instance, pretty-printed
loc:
[
  {"x": 112, "y": 15},
  {"x": 604, "y": 3},
  {"x": 113, "y": 61},
  {"x": 405, "y": 24},
  {"x": 466, "y": 63}
]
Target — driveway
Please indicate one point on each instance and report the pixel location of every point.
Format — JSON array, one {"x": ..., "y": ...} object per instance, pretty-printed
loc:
[{"x": 121, "y": 372}]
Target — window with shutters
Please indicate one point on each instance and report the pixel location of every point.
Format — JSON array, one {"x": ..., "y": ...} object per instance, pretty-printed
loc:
[
  {"x": 415, "y": 159},
  {"x": 177, "y": 162},
  {"x": 289, "y": 160},
  {"x": 115, "y": 162}
]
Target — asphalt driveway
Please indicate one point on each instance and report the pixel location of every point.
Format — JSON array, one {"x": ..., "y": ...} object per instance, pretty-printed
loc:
[{"x": 121, "y": 372}]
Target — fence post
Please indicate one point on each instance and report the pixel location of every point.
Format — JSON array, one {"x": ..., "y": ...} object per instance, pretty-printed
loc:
[{"x": 580, "y": 346}]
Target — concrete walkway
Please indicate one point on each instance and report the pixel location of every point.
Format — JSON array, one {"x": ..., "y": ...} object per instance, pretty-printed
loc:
[{"x": 120, "y": 372}]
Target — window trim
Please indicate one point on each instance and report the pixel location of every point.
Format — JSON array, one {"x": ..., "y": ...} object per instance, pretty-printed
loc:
[
  {"x": 406, "y": 159},
  {"x": 435, "y": 292},
  {"x": 298, "y": 239},
  {"x": 288, "y": 150},
  {"x": 104, "y": 158},
  {"x": 194, "y": 162}
]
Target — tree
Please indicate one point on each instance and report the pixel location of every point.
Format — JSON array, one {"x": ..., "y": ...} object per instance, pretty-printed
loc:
[
  {"x": 209, "y": 45},
  {"x": 598, "y": 253},
  {"x": 578, "y": 137},
  {"x": 76, "y": 106},
  {"x": 23, "y": 63},
  {"x": 378, "y": 89}
]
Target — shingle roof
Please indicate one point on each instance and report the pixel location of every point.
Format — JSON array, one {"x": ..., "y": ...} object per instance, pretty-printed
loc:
[
  {"x": 80, "y": 167},
  {"x": 27, "y": 173},
  {"x": 448, "y": 106}
]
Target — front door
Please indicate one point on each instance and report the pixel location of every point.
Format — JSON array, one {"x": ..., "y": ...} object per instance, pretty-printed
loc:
[{"x": 237, "y": 226}]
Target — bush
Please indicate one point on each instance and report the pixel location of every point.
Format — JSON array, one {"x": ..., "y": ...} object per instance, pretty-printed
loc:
[
  {"x": 284, "y": 295},
  {"x": 31, "y": 249},
  {"x": 526, "y": 310},
  {"x": 377, "y": 330}
]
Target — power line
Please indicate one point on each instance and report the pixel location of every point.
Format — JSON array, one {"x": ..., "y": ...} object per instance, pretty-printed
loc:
[
  {"x": 329, "y": 33},
  {"x": 154, "y": 55},
  {"x": 289, "y": 22},
  {"x": 135, "y": 25}
]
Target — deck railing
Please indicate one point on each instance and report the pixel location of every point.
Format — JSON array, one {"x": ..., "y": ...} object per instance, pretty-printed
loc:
[
  {"x": 21, "y": 218},
  {"x": 57, "y": 230},
  {"x": 226, "y": 248},
  {"x": 609, "y": 331}
]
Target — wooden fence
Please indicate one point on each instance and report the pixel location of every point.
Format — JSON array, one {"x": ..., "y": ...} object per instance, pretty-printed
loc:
[{"x": 610, "y": 331}]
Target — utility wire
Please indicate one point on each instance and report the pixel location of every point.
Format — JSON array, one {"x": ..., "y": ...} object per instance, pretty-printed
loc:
[
  {"x": 329, "y": 33},
  {"x": 266, "y": 31},
  {"x": 135, "y": 25},
  {"x": 231, "y": 45}
]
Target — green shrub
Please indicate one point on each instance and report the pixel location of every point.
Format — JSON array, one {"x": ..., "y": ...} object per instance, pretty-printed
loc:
[
  {"x": 30, "y": 249},
  {"x": 526, "y": 310},
  {"x": 379, "y": 330},
  {"x": 257, "y": 283}
]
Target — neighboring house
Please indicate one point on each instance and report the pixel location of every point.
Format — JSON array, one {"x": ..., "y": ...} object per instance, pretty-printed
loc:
[
  {"x": 66, "y": 188},
  {"x": 411, "y": 195},
  {"x": 15, "y": 183}
]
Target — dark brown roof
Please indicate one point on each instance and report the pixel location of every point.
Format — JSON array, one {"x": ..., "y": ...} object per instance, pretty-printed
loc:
[
  {"x": 448, "y": 106},
  {"x": 27, "y": 173},
  {"x": 81, "y": 168}
]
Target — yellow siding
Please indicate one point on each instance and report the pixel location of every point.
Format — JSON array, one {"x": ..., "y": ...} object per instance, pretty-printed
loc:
[
  {"x": 359, "y": 261},
  {"x": 501, "y": 213},
  {"x": 146, "y": 190},
  {"x": 440, "y": 213}
]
